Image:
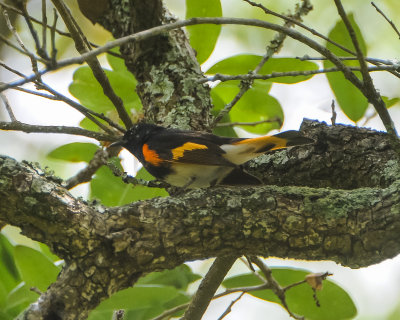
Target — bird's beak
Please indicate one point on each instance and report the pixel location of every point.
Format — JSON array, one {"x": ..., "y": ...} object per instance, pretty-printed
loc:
[{"x": 118, "y": 143}]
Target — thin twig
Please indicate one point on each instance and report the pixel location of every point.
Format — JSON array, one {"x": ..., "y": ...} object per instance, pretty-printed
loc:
[
  {"x": 5, "y": 66},
  {"x": 29, "y": 128},
  {"x": 196, "y": 21},
  {"x": 229, "y": 308},
  {"x": 368, "y": 59},
  {"x": 53, "y": 29},
  {"x": 60, "y": 32},
  {"x": 85, "y": 111},
  {"x": 8, "y": 107},
  {"x": 39, "y": 49},
  {"x": 135, "y": 181},
  {"x": 83, "y": 46},
  {"x": 298, "y": 23},
  {"x": 334, "y": 114},
  {"x": 208, "y": 286},
  {"x": 250, "y": 76},
  {"x": 11, "y": 45},
  {"x": 99, "y": 159},
  {"x": 60, "y": 97},
  {"x": 21, "y": 44},
  {"x": 368, "y": 88},
  {"x": 255, "y": 123},
  {"x": 273, "y": 47},
  {"x": 387, "y": 19},
  {"x": 174, "y": 310},
  {"x": 276, "y": 288},
  {"x": 43, "y": 48}
]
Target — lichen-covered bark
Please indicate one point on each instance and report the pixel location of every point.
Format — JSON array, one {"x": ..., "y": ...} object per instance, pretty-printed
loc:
[
  {"x": 107, "y": 249},
  {"x": 165, "y": 66}
]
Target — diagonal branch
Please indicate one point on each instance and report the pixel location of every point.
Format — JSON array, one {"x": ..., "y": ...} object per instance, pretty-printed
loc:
[
  {"x": 274, "y": 46},
  {"x": 83, "y": 46},
  {"x": 368, "y": 88},
  {"x": 208, "y": 287},
  {"x": 387, "y": 19}
]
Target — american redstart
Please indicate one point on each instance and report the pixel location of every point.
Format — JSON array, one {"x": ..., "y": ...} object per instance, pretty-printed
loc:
[{"x": 192, "y": 159}]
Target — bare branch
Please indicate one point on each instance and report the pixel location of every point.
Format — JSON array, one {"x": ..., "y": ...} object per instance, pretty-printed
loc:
[
  {"x": 208, "y": 286},
  {"x": 60, "y": 32},
  {"x": 43, "y": 48},
  {"x": 251, "y": 76},
  {"x": 5, "y": 66},
  {"x": 273, "y": 47},
  {"x": 99, "y": 159},
  {"x": 139, "y": 36},
  {"x": 276, "y": 288},
  {"x": 85, "y": 111},
  {"x": 229, "y": 308},
  {"x": 172, "y": 311},
  {"x": 83, "y": 46},
  {"x": 29, "y": 128},
  {"x": 135, "y": 181},
  {"x": 8, "y": 107},
  {"x": 31, "y": 56},
  {"x": 368, "y": 88},
  {"x": 255, "y": 123},
  {"x": 387, "y": 19}
]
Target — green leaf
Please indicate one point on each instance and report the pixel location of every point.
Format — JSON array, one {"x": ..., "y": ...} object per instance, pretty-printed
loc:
[
  {"x": 243, "y": 63},
  {"x": 180, "y": 277},
  {"x": 140, "y": 302},
  {"x": 203, "y": 37},
  {"x": 19, "y": 298},
  {"x": 255, "y": 105},
  {"x": 46, "y": 251},
  {"x": 88, "y": 91},
  {"x": 390, "y": 102},
  {"x": 218, "y": 106},
  {"x": 118, "y": 64},
  {"x": 74, "y": 152},
  {"x": 112, "y": 191},
  {"x": 35, "y": 268},
  {"x": 350, "y": 99},
  {"x": 336, "y": 304},
  {"x": 8, "y": 269},
  {"x": 9, "y": 275}
]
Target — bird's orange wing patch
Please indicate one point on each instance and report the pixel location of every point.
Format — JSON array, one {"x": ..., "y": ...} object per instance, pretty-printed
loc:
[
  {"x": 151, "y": 156},
  {"x": 188, "y": 146}
]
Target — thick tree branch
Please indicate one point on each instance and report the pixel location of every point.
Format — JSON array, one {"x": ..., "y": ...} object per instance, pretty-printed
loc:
[{"x": 357, "y": 226}]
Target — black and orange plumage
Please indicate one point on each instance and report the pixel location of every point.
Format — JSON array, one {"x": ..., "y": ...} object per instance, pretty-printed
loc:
[{"x": 192, "y": 159}]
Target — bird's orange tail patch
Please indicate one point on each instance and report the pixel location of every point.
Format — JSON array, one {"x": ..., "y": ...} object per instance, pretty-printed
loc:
[{"x": 263, "y": 144}]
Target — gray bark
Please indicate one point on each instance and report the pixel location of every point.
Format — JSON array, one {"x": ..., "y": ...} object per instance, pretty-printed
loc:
[{"x": 107, "y": 249}]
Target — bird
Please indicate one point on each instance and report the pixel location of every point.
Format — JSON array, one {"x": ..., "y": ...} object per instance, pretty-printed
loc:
[{"x": 194, "y": 159}]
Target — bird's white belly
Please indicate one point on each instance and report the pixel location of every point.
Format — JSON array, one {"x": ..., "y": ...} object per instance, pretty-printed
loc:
[{"x": 197, "y": 176}]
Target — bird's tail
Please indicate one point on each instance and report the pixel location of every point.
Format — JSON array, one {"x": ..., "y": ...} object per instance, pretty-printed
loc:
[
  {"x": 243, "y": 150},
  {"x": 293, "y": 138}
]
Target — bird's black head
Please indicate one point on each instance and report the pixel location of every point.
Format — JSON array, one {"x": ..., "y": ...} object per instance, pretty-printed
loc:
[{"x": 137, "y": 135}]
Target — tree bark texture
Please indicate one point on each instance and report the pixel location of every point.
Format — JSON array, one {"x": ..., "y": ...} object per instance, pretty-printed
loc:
[{"x": 107, "y": 249}]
